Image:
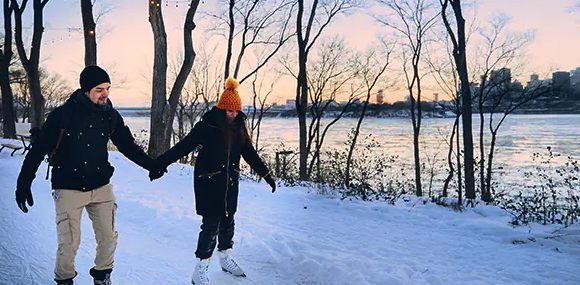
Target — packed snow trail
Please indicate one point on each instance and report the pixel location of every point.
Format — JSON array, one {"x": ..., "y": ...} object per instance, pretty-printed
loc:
[{"x": 290, "y": 237}]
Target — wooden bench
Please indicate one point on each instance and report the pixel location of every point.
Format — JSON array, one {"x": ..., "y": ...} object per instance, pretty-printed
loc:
[
  {"x": 11, "y": 146},
  {"x": 25, "y": 138}
]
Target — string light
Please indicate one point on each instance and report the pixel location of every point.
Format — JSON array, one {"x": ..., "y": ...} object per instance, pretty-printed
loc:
[{"x": 177, "y": 3}]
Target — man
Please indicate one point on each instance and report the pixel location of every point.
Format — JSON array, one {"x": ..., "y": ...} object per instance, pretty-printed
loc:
[{"x": 75, "y": 136}]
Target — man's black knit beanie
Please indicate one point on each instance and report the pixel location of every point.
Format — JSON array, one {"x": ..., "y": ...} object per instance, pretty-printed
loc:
[{"x": 92, "y": 76}]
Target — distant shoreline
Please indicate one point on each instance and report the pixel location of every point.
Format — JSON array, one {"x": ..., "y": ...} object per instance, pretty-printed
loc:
[{"x": 145, "y": 112}]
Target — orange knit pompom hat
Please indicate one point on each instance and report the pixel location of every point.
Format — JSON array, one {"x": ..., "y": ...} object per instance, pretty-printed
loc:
[{"x": 230, "y": 99}]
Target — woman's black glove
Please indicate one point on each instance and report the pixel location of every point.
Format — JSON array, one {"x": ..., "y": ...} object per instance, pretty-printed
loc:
[{"x": 271, "y": 181}]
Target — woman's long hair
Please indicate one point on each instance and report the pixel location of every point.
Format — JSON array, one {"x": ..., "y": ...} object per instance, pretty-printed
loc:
[{"x": 237, "y": 130}]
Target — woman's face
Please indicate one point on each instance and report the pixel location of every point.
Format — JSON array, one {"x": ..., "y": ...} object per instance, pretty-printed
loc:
[{"x": 231, "y": 115}]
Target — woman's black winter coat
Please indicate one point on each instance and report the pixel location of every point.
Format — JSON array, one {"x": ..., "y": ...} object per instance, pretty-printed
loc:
[{"x": 216, "y": 174}]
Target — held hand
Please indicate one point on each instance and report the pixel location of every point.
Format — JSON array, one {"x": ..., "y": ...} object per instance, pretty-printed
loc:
[
  {"x": 271, "y": 181},
  {"x": 24, "y": 196},
  {"x": 157, "y": 173}
]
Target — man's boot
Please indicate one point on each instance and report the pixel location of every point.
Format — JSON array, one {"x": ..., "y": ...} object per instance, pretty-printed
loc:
[{"x": 101, "y": 277}]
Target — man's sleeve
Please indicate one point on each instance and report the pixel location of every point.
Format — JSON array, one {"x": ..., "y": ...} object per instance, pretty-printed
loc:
[
  {"x": 43, "y": 145},
  {"x": 125, "y": 143}
]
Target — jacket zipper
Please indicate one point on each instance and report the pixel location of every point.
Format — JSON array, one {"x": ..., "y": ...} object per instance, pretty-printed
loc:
[{"x": 227, "y": 184}]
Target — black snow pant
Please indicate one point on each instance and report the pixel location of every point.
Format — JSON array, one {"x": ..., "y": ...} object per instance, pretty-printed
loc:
[{"x": 221, "y": 227}]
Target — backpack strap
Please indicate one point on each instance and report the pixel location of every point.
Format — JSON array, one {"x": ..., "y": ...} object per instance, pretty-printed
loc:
[{"x": 66, "y": 119}]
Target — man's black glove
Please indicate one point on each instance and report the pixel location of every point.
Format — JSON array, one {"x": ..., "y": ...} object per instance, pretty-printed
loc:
[
  {"x": 23, "y": 196},
  {"x": 271, "y": 181},
  {"x": 157, "y": 172}
]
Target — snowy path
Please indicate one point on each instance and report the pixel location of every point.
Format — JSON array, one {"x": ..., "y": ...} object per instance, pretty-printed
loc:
[{"x": 290, "y": 237}]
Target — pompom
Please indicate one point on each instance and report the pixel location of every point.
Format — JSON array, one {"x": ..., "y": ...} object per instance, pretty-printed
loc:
[{"x": 231, "y": 84}]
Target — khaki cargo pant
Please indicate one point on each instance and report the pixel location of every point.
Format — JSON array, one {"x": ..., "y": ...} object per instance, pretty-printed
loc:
[{"x": 101, "y": 207}]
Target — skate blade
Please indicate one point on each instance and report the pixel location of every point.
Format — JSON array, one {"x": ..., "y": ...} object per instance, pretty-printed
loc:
[{"x": 243, "y": 274}]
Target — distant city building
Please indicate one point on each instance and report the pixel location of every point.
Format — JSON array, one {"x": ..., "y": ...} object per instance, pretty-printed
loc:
[
  {"x": 575, "y": 82},
  {"x": 534, "y": 81},
  {"x": 436, "y": 97},
  {"x": 290, "y": 102},
  {"x": 500, "y": 76},
  {"x": 380, "y": 98},
  {"x": 561, "y": 84}
]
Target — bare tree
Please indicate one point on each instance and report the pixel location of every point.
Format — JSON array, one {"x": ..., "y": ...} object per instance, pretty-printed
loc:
[
  {"x": 206, "y": 76},
  {"x": 500, "y": 50},
  {"x": 459, "y": 42},
  {"x": 328, "y": 77},
  {"x": 6, "y": 54},
  {"x": 371, "y": 67},
  {"x": 90, "y": 32},
  {"x": 163, "y": 109},
  {"x": 320, "y": 16},
  {"x": 55, "y": 89},
  {"x": 31, "y": 63},
  {"x": 259, "y": 98},
  {"x": 414, "y": 21},
  {"x": 261, "y": 24},
  {"x": 445, "y": 76}
]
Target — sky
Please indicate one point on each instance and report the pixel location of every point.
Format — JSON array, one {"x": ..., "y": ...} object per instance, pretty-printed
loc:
[{"x": 125, "y": 46}]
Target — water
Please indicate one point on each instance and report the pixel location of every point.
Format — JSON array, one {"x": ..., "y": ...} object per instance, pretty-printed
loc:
[{"x": 518, "y": 138}]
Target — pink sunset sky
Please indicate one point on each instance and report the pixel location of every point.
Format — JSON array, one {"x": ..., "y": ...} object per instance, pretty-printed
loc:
[{"x": 125, "y": 47}]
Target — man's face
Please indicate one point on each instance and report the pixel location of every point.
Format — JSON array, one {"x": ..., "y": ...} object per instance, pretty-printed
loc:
[
  {"x": 231, "y": 114},
  {"x": 99, "y": 93}
]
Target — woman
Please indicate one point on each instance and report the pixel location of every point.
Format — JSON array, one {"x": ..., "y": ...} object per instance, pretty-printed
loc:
[{"x": 221, "y": 138}]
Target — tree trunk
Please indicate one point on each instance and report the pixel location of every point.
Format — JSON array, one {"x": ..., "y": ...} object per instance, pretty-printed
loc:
[
  {"x": 481, "y": 144},
  {"x": 302, "y": 105},
  {"x": 37, "y": 111},
  {"x": 31, "y": 64},
  {"x": 459, "y": 54},
  {"x": 90, "y": 33},
  {"x": 416, "y": 157},
  {"x": 459, "y": 179},
  {"x": 451, "y": 170},
  {"x": 354, "y": 138},
  {"x": 8, "y": 112},
  {"x": 157, "y": 140},
  {"x": 487, "y": 197},
  {"x": 461, "y": 61},
  {"x": 302, "y": 90},
  {"x": 163, "y": 110},
  {"x": 232, "y": 26},
  {"x": 189, "y": 58}
]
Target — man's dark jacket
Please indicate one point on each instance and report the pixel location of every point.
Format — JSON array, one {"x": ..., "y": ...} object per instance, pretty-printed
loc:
[
  {"x": 216, "y": 173},
  {"x": 81, "y": 161}
]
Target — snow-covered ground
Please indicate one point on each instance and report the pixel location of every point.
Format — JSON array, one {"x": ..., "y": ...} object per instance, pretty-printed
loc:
[{"x": 290, "y": 237}]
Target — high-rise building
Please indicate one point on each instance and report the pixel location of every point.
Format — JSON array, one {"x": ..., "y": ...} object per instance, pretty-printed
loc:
[
  {"x": 561, "y": 84},
  {"x": 380, "y": 98},
  {"x": 501, "y": 76}
]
